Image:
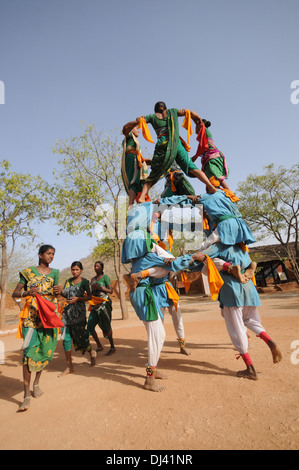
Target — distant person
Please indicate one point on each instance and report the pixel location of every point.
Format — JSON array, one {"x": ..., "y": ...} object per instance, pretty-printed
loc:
[{"x": 101, "y": 307}]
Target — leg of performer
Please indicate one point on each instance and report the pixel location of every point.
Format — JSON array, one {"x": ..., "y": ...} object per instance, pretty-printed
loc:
[
  {"x": 178, "y": 325},
  {"x": 253, "y": 322},
  {"x": 204, "y": 179},
  {"x": 210, "y": 240},
  {"x": 237, "y": 331},
  {"x": 156, "y": 337},
  {"x": 145, "y": 189}
]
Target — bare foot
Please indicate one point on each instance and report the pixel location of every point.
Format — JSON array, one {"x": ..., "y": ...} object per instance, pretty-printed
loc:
[
  {"x": 25, "y": 405},
  {"x": 151, "y": 384},
  {"x": 110, "y": 352},
  {"x": 160, "y": 375},
  {"x": 37, "y": 392},
  {"x": 249, "y": 272},
  {"x": 132, "y": 280},
  {"x": 185, "y": 351},
  {"x": 249, "y": 373},
  {"x": 235, "y": 270},
  {"x": 276, "y": 353},
  {"x": 67, "y": 371},
  {"x": 136, "y": 278},
  {"x": 93, "y": 356}
]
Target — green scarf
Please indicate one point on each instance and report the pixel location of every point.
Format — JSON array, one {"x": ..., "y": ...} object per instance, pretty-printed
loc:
[{"x": 152, "y": 311}]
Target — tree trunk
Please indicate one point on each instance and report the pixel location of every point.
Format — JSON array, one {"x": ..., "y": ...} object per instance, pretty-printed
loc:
[
  {"x": 122, "y": 300},
  {"x": 118, "y": 272},
  {"x": 3, "y": 285}
]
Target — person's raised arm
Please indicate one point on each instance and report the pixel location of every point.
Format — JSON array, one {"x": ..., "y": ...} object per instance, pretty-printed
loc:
[{"x": 194, "y": 116}]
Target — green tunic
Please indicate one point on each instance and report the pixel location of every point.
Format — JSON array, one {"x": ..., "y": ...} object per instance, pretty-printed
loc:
[{"x": 101, "y": 314}]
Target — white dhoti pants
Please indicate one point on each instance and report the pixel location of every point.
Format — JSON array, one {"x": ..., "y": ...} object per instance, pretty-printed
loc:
[
  {"x": 156, "y": 337},
  {"x": 237, "y": 320},
  {"x": 177, "y": 320}
]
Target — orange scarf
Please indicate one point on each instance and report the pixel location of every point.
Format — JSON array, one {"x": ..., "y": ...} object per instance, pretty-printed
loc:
[
  {"x": 186, "y": 281},
  {"x": 228, "y": 193},
  {"x": 95, "y": 301},
  {"x": 215, "y": 280},
  {"x": 145, "y": 130},
  {"x": 172, "y": 294}
]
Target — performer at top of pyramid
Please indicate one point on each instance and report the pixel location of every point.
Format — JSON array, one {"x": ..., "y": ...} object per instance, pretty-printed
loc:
[
  {"x": 213, "y": 162},
  {"x": 134, "y": 169},
  {"x": 169, "y": 146}
]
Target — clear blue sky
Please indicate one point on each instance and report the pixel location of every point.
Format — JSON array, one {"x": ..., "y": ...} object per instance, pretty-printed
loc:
[{"x": 106, "y": 62}]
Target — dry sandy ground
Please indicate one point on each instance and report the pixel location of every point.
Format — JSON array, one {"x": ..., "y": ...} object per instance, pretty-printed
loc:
[{"x": 205, "y": 405}]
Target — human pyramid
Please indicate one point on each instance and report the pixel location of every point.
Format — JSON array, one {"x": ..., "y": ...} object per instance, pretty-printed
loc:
[{"x": 223, "y": 256}]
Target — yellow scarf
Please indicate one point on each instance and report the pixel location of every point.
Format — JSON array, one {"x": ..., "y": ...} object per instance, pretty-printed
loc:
[{"x": 187, "y": 124}]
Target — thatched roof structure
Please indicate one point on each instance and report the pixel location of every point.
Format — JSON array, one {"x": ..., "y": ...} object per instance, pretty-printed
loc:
[{"x": 267, "y": 253}]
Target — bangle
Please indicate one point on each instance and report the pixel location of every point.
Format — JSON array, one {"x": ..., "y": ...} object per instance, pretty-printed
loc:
[{"x": 22, "y": 295}]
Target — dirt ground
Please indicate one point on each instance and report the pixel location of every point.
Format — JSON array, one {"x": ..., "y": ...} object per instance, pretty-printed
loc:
[{"x": 205, "y": 405}]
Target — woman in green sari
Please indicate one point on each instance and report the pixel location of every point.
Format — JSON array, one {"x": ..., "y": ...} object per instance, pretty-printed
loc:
[
  {"x": 39, "y": 343},
  {"x": 134, "y": 167},
  {"x": 101, "y": 307},
  {"x": 76, "y": 292},
  {"x": 169, "y": 147}
]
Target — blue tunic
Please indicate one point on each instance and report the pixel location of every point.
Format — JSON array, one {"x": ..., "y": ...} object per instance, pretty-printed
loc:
[
  {"x": 232, "y": 230},
  {"x": 157, "y": 286},
  {"x": 233, "y": 293}
]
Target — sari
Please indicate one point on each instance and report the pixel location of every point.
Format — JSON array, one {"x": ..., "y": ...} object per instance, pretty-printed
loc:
[
  {"x": 39, "y": 343},
  {"x": 176, "y": 183},
  {"x": 74, "y": 317},
  {"x": 212, "y": 160},
  {"x": 169, "y": 147},
  {"x": 100, "y": 308},
  {"x": 133, "y": 169}
]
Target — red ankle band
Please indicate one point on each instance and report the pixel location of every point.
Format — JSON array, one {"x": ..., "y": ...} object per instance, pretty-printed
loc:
[
  {"x": 226, "y": 266},
  {"x": 247, "y": 359},
  {"x": 263, "y": 335}
]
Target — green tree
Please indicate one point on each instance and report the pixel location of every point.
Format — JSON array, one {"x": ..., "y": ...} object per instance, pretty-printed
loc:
[
  {"x": 270, "y": 205},
  {"x": 23, "y": 201},
  {"x": 88, "y": 193}
]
